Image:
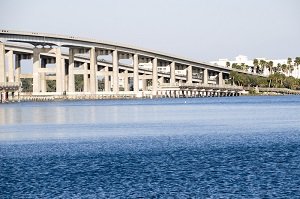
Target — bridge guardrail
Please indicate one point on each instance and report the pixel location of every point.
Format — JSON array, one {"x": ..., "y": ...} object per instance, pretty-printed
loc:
[
  {"x": 11, "y": 85},
  {"x": 208, "y": 86}
]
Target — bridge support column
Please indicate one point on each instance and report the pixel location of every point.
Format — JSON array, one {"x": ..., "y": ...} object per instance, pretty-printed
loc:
[
  {"x": 126, "y": 86},
  {"x": 189, "y": 74},
  {"x": 63, "y": 75},
  {"x": 136, "y": 74},
  {"x": 3, "y": 96},
  {"x": 161, "y": 80},
  {"x": 10, "y": 61},
  {"x": 71, "y": 79},
  {"x": 43, "y": 83},
  {"x": 115, "y": 59},
  {"x": 172, "y": 73},
  {"x": 144, "y": 84},
  {"x": 85, "y": 78},
  {"x": 93, "y": 67},
  {"x": 154, "y": 77},
  {"x": 2, "y": 63},
  {"x": 17, "y": 68},
  {"x": 59, "y": 75},
  {"x": 205, "y": 76},
  {"x": 36, "y": 67},
  {"x": 220, "y": 80},
  {"x": 106, "y": 80}
]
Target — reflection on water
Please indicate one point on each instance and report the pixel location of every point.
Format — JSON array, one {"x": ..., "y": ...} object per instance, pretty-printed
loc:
[{"x": 80, "y": 119}]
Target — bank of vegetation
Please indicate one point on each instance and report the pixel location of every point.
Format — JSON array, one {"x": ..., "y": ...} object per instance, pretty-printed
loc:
[{"x": 275, "y": 80}]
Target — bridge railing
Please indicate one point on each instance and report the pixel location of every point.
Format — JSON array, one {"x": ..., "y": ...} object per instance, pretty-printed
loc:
[
  {"x": 9, "y": 85},
  {"x": 205, "y": 86}
]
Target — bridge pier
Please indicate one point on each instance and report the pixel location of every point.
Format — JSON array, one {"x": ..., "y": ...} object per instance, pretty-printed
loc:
[
  {"x": 115, "y": 62},
  {"x": 154, "y": 77}
]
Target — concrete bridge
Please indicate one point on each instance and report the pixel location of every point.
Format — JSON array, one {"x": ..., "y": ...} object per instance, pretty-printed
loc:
[{"x": 125, "y": 70}]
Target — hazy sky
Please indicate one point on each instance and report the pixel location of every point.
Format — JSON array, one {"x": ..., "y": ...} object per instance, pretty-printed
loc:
[{"x": 198, "y": 29}]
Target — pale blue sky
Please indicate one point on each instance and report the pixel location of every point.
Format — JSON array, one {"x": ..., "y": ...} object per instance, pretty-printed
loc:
[{"x": 198, "y": 29}]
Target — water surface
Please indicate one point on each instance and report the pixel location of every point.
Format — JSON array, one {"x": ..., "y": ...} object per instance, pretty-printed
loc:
[{"x": 235, "y": 147}]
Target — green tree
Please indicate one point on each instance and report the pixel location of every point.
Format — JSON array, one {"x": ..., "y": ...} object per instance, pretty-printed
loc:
[
  {"x": 79, "y": 83},
  {"x": 289, "y": 66},
  {"x": 297, "y": 63},
  {"x": 228, "y": 64},
  {"x": 27, "y": 84},
  {"x": 262, "y": 64},
  {"x": 51, "y": 85},
  {"x": 278, "y": 68},
  {"x": 284, "y": 68},
  {"x": 255, "y": 64},
  {"x": 270, "y": 66}
]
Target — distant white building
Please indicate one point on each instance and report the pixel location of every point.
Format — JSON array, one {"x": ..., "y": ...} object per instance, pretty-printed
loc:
[{"x": 243, "y": 60}]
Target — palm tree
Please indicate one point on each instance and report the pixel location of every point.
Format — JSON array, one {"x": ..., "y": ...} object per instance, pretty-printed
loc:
[
  {"x": 284, "y": 68},
  {"x": 228, "y": 64},
  {"x": 262, "y": 64},
  {"x": 270, "y": 66},
  {"x": 255, "y": 64},
  {"x": 289, "y": 61},
  {"x": 297, "y": 63},
  {"x": 278, "y": 69}
]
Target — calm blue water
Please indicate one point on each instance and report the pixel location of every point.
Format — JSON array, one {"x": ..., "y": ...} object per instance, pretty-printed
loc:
[{"x": 241, "y": 147}]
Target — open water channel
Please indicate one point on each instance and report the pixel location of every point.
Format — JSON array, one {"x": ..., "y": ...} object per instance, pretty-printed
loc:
[{"x": 230, "y": 147}]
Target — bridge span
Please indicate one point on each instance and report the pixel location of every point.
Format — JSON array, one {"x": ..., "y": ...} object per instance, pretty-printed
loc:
[{"x": 124, "y": 70}]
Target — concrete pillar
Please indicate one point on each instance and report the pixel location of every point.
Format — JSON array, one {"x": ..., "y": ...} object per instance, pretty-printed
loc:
[
  {"x": 161, "y": 80},
  {"x": 126, "y": 85},
  {"x": 172, "y": 73},
  {"x": 205, "y": 76},
  {"x": 35, "y": 71},
  {"x": 220, "y": 79},
  {"x": 136, "y": 73},
  {"x": 106, "y": 80},
  {"x": 63, "y": 75},
  {"x": 58, "y": 66},
  {"x": 71, "y": 82},
  {"x": 85, "y": 77},
  {"x": 43, "y": 82},
  {"x": 115, "y": 59},
  {"x": 93, "y": 68},
  {"x": 189, "y": 74},
  {"x": 2, "y": 63},
  {"x": 10, "y": 61},
  {"x": 3, "y": 97},
  {"x": 154, "y": 77},
  {"x": 17, "y": 68}
]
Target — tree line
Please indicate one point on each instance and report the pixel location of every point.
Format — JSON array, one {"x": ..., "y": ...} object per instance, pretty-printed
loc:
[{"x": 275, "y": 80}]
